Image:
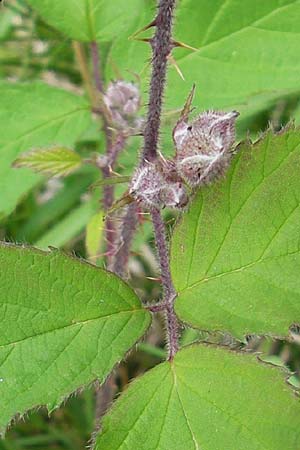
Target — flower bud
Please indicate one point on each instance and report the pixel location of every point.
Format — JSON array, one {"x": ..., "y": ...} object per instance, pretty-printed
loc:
[
  {"x": 203, "y": 146},
  {"x": 150, "y": 187},
  {"x": 123, "y": 100},
  {"x": 174, "y": 195}
]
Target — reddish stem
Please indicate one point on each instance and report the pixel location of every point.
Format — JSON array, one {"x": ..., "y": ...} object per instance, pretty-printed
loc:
[
  {"x": 129, "y": 225},
  {"x": 96, "y": 66},
  {"x": 161, "y": 48},
  {"x": 167, "y": 284}
]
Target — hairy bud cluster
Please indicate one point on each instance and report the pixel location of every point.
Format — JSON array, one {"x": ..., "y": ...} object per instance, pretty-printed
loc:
[
  {"x": 152, "y": 187},
  {"x": 123, "y": 100},
  {"x": 203, "y": 147},
  {"x": 203, "y": 153}
]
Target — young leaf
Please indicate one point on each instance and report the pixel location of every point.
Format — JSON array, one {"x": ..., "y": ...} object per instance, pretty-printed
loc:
[
  {"x": 187, "y": 405},
  {"x": 236, "y": 254},
  {"x": 34, "y": 114},
  {"x": 53, "y": 161},
  {"x": 63, "y": 324},
  {"x": 89, "y": 20}
]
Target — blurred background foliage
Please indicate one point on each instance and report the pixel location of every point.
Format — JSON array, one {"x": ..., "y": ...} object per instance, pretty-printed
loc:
[{"x": 66, "y": 213}]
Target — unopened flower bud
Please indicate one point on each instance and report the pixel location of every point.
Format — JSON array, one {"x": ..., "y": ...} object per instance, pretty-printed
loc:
[
  {"x": 203, "y": 146},
  {"x": 174, "y": 195},
  {"x": 150, "y": 187},
  {"x": 123, "y": 100}
]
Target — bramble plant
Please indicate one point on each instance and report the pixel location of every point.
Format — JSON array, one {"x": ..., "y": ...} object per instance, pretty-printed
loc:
[{"x": 230, "y": 276}]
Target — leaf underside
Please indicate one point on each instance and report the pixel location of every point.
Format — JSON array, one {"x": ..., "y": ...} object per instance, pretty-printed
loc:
[
  {"x": 63, "y": 324},
  {"x": 239, "y": 244},
  {"x": 187, "y": 405}
]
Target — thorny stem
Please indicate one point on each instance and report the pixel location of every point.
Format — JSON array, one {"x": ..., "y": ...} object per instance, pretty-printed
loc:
[{"x": 161, "y": 48}]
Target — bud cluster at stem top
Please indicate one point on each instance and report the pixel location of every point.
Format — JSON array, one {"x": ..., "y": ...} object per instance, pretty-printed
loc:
[{"x": 203, "y": 153}]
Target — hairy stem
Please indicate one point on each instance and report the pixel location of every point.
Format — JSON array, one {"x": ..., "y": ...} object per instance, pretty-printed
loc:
[
  {"x": 161, "y": 47},
  {"x": 108, "y": 191},
  {"x": 167, "y": 284},
  {"x": 105, "y": 393},
  {"x": 96, "y": 66},
  {"x": 128, "y": 229},
  {"x": 163, "y": 254}
]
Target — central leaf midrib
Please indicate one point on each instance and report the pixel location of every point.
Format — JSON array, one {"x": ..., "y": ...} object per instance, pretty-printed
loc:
[{"x": 224, "y": 412}]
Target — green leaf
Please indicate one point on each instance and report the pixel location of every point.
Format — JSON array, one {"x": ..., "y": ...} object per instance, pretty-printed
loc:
[
  {"x": 296, "y": 114},
  {"x": 94, "y": 233},
  {"x": 46, "y": 214},
  {"x": 236, "y": 253},
  {"x": 187, "y": 405},
  {"x": 247, "y": 50},
  {"x": 63, "y": 324},
  {"x": 68, "y": 228},
  {"x": 34, "y": 114},
  {"x": 131, "y": 56},
  {"x": 53, "y": 161},
  {"x": 89, "y": 20}
]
